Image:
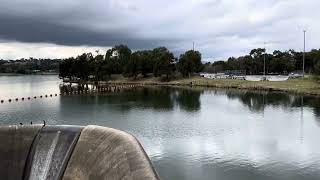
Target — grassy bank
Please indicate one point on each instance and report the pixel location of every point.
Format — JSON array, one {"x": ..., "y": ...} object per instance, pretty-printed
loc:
[{"x": 308, "y": 85}]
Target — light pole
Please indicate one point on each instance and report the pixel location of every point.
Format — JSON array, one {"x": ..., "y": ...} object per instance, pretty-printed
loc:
[
  {"x": 264, "y": 60},
  {"x": 304, "y": 52}
]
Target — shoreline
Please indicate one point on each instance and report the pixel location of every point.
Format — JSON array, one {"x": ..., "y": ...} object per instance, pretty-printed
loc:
[
  {"x": 19, "y": 74},
  {"x": 305, "y": 86}
]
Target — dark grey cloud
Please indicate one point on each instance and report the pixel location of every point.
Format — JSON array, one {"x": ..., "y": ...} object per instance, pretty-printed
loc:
[
  {"x": 34, "y": 30},
  {"x": 220, "y": 28}
]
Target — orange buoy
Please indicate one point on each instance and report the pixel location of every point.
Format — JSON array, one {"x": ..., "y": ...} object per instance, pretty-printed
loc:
[
  {"x": 35, "y": 97},
  {"x": 9, "y": 100},
  {"x": 40, "y": 96},
  {"x": 50, "y": 95},
  {"x": 22, "y": 99},
  {"x": 29, "y": 98},
  {"x": 46, "y": 96},
  {"x": 2, "y": 101},
  {"x": 17, "y": 99}
]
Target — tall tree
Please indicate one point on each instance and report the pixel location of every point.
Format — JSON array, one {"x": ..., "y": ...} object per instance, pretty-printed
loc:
[
  {"x": 81, "y": 67},
  {"x": 163, "y": 62},
  {"x": 132, "y": 67},
  {"x": 190, "y": 62},
  {"x": 118, "y": 57},
  {"x": 65, "y": 68},
  {"x": 317, "y": 67},
  {"x": 98, "y": 67},
  {"x": 145, "y": 62}
]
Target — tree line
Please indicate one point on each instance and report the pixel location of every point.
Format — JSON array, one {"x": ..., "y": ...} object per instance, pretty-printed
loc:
[
  {"x": 29, "y": 66},
  {"x": 159, "y": 62},
  {"x": 279, "y": 62}
]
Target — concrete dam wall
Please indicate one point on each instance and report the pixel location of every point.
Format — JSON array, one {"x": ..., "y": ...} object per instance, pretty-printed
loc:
[{"x": 36, "y": 152}]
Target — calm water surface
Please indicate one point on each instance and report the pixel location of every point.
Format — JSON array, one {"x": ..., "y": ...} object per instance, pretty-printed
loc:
[{"x": 189, "y": 133}]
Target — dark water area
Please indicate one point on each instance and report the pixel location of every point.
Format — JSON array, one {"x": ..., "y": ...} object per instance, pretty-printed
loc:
[{"x": 189, "y": 133}]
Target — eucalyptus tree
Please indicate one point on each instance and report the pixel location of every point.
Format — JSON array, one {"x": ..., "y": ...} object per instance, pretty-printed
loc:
[
  {"x": 190, "y": 62},
  {"x": 65, "y": 68},
  {"x": 118, "y": 57},
  {"x": 163, "y": 62}
]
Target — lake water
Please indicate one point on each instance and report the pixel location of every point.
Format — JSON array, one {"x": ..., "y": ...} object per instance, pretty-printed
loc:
[{"x": 189, "y": 133}]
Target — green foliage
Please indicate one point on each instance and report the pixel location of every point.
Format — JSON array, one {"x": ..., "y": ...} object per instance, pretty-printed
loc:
[
  {"x": 140, "y": 63},
  {"x": 99, "y": 70},
  {"x": 163, "y": 62},
  {"x": 118, "y": 57},
  {"x": 145, "y": 62},
  {"x": 132, "y": 66},
  {"x": 81, "y": 68},
  {"x": 279, "y": 62},
  {"x": 119, "y": 60},
  {"x": 66, "y": 68},
  {"x": 317, "y": 68},
  {"x": 190, "y": 62},
  {"x": 30, "y": 66},
  {"x": 257, "y": 53}
]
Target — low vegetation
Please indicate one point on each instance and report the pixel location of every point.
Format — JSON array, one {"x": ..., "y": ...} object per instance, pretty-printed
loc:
[
  {"x": 308, "y": 85},
  {"x": 29, "y": 66}
]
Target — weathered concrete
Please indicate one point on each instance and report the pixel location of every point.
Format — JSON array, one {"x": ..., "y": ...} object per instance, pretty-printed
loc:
[
  {"x": 105, "y": 153},
  {"x": 37, "y": 152},
  {"x": 15, "y": 144},
  {"x": 51, "y": 151}
]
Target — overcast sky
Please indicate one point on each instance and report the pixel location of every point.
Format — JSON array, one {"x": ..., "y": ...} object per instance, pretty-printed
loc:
[{"x": 219, "y": 28}]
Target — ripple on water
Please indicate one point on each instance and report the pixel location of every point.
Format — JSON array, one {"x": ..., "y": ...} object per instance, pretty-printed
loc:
[{"x": 193, "y": 134}]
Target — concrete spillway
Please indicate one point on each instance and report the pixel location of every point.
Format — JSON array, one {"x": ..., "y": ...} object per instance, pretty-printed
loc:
[
  {"x": 50, "y": 152},
  {"x": 34, "y": 152}
]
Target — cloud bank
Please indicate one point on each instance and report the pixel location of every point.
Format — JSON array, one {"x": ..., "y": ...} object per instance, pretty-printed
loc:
[{"x": 219, "y": 28}]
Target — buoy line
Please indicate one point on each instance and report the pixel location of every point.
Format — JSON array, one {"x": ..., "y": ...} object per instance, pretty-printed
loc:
[
  {"x": 2, "y": 101},
  {"x": 114, "y": 88}
]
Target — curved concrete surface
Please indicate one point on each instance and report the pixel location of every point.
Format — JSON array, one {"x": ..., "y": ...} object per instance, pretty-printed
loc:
[
  {"x": 51, "y": 151},
  {"x": 36, "y": 152},
  {"x": 15, "y": 144},
  {"x": 105, "y": 153}
]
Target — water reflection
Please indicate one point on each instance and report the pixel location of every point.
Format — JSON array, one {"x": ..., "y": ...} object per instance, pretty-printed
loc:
[
  {"x": 258, "y": 101},
  {"x": 189, "y": 100},
  {"x": 196, "y": 133},
  {"x": 157, "y": 98},
  {"x": 310, "y": 102}
]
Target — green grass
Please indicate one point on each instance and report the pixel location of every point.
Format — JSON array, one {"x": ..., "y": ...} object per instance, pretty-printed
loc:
[
  {"x": 307, "y": 85},
  {"x": 303, "y": 85}
]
